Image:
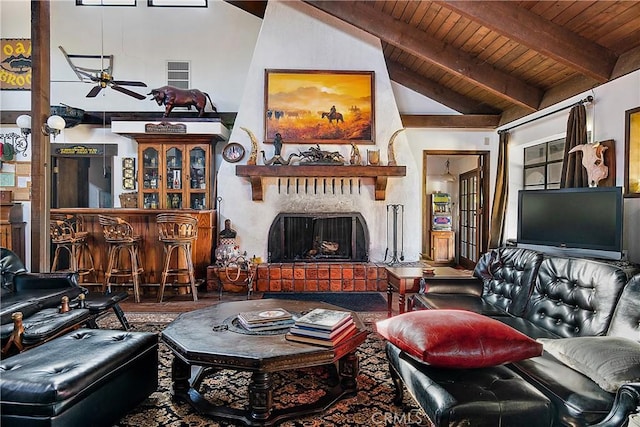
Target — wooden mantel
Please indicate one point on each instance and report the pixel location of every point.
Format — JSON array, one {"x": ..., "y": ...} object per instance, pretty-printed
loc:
[{"x": 380, "y": 174}]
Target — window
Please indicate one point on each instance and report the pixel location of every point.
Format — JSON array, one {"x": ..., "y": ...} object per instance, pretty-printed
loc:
[
  {"x": 543, "y": 165},
  {"x": 179, "y": 74},
  {"x": 106, "y": 2},
  {"x": 177, "y": 3}
]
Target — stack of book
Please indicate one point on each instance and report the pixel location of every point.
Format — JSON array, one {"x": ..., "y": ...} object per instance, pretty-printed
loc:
[
  {"x": 323, "y": 327},
  {"x": 265, "y": 320}
]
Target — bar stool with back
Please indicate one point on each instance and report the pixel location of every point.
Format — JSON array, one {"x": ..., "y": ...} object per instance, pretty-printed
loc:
[
  {"x": 177, "y": 232},
  {"x": 67, "y": 234},
  {"x": 119, "y": 235}
]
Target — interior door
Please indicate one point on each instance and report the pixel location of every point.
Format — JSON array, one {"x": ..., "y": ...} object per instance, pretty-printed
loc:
[
  {"x": 470, "y": 195},
  {"x": 70, "y": 182}
]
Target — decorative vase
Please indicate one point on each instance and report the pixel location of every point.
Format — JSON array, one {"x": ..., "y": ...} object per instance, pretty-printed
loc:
[{"x": 373, "y": 157}]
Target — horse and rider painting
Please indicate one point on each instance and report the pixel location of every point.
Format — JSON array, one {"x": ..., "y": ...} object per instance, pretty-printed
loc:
[{"x": 296, "y": 106}]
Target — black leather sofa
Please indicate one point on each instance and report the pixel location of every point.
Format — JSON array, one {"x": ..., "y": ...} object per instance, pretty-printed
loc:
[
  {"x": 544, "y": 297},
  {"x": 58, "y": 374},
  {"x": 36, "y": 299}
]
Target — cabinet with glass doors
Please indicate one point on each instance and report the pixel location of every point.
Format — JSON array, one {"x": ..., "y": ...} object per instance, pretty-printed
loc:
[{"x": 174, "y": 176}]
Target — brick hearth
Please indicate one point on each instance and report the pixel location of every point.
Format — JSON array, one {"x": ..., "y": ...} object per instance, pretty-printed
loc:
[{"x": 319, "y": 277}]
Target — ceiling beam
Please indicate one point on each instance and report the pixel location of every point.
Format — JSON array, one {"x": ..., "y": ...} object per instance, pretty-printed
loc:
[
  {"x": 256, "y": 8},
  {"x": 559, "y": 93},
  {"x": 539, "y": 34},
  {"x": 427, "y": 48},
  {"x": 436, "y": 92},
  {"x": 468, "y": 121}
]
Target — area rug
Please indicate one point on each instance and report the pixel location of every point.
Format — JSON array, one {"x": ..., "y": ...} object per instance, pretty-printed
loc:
[
  {"x": 354, "y": 301},
  {"x": 372, "y": 406}
]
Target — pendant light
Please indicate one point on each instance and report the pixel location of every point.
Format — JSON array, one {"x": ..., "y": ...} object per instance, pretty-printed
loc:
[{"x": 447, "y": 177}]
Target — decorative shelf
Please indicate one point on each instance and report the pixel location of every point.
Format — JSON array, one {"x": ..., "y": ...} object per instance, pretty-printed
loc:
[{"x": 255, "y": 173}]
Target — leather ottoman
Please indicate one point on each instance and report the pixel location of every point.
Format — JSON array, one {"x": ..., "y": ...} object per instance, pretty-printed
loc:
[
  {"x": 482, "y": 397},
  {"x": 87, "y": 377}
]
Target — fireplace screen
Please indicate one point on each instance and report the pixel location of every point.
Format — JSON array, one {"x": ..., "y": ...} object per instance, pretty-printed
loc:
[{"x": 318, "y": 237}]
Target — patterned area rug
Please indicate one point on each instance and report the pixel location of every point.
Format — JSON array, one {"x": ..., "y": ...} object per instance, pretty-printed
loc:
[{"x": 372, "y": 406}]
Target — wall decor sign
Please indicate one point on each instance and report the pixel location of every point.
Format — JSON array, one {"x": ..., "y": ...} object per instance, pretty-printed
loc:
[
  {"x": 632, "y": 153},
  {"x": 15, "y": 64},
  {"x": 313, "y": 107}
]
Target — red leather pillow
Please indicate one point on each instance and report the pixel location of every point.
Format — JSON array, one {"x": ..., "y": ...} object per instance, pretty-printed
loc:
[{"x": 457, "y": 338}]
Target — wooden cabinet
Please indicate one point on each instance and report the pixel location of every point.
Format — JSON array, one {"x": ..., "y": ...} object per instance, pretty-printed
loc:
[
  {"x": 175, "y": 175},
  {"x": 12, "y": 228},
  {"x": 443, "y": 247}
]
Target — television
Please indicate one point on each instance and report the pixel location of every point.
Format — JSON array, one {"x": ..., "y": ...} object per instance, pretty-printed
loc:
[{"x": 585, "y": 219}]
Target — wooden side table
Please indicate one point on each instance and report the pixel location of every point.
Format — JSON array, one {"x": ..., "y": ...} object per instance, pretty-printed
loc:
[{"x": 400, "y": 279}]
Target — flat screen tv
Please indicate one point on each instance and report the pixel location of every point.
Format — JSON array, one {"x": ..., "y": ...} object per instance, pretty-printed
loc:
[{"x": 580, "y": 218}]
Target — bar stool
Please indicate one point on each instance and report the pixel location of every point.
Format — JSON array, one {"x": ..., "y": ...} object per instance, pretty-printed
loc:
[
  {"x": 67, "y": 234},
  {"x": 177, "y": 232},
  {"x": 118, "y": 233}
]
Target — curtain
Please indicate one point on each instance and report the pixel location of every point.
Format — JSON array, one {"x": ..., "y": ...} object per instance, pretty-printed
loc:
[
  {"x": 573, "y": 173},
  {"x": 499, "y": 207}
]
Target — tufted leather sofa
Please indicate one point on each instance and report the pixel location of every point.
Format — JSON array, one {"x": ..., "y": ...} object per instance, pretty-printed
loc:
[
  {"x": 37, "y": 297},
  {"x": 543, "y": 297}
]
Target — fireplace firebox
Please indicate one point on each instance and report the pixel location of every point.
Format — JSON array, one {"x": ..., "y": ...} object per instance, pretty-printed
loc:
[{"x": 318, "y": 237}]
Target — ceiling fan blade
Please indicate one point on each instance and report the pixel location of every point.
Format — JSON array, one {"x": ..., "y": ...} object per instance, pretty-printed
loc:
[
  {"x": 128, "y": 83},
  {"x": 127, "y": 92},
  {"x": 95, "y": 91}
]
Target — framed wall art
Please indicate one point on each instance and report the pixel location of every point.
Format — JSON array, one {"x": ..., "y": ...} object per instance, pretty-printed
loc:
[
  {"x": 319, "y": 107},
  {"x": 632, "y": 153}
]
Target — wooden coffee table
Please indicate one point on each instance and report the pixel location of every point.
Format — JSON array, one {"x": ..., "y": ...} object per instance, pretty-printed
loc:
[{"x": 210, "y": 339}]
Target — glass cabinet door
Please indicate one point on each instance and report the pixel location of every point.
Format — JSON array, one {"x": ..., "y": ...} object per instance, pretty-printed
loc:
[
  {"x": 198, "y": 177},
  {"x": 151, "y": 179},
  {"x": 174, "y": 180}
]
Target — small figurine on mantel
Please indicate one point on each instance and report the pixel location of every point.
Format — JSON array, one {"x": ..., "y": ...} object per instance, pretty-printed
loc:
[
  {"x": 277, "y": 158},
  {"x": 355, "y": 159}
]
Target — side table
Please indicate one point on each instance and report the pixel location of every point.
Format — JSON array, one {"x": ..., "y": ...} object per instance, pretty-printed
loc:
[{"x": 400, "y": 279}]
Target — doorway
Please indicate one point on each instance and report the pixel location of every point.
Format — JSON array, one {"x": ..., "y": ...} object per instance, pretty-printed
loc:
[
  {"x": 81, "y": 182},
  {"x": 469, "y": 191}
]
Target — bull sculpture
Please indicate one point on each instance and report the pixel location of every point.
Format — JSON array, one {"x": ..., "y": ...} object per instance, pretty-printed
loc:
[
  {"x": 171, "y": 96},
  {"x": 593, "y": 161}
]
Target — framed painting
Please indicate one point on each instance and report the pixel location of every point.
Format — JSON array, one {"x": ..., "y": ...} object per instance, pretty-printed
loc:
[
  {"x": 319, "y": 107},
  {"x": 632, "y": 153}
]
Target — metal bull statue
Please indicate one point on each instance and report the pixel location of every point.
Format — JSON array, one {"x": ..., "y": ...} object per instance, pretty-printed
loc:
[{"x": 171, "y": 96}]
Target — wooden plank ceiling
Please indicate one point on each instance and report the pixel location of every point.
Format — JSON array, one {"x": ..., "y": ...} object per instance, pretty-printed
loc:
[{"x": 495, "y": 61}]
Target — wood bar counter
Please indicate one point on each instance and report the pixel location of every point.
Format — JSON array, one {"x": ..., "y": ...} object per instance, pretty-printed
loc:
[{"x": 144, "y": 223}]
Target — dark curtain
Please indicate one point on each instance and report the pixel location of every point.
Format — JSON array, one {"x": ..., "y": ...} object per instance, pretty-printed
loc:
[
  {"x": 498, "y": 210},
  {"x": 573, "y": 173}
]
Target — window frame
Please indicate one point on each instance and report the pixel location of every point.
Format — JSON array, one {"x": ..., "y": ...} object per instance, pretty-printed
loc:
[{"x": 543, "y": 165}]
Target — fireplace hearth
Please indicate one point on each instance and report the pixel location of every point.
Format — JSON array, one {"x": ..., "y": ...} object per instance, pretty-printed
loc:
[{"x": 318, "y": 237}]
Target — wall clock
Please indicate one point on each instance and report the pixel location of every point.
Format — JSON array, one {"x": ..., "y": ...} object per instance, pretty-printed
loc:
[{"x": 233, "y": 152}]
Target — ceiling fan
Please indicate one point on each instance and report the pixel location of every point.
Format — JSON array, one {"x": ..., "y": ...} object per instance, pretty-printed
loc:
[{"x": 103, "y": 76}]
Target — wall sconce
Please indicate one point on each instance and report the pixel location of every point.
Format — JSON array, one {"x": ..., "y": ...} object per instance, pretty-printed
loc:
[
  {"x": 13, "y": 143},
  {"x": 54, "y": 125}
]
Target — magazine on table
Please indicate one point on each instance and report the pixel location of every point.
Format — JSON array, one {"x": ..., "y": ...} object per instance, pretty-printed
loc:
[{"x": 325, "y": 319}]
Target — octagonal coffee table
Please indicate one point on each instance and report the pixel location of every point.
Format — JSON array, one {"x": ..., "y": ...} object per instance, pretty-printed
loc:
[{"x": 210, "y": 339}]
